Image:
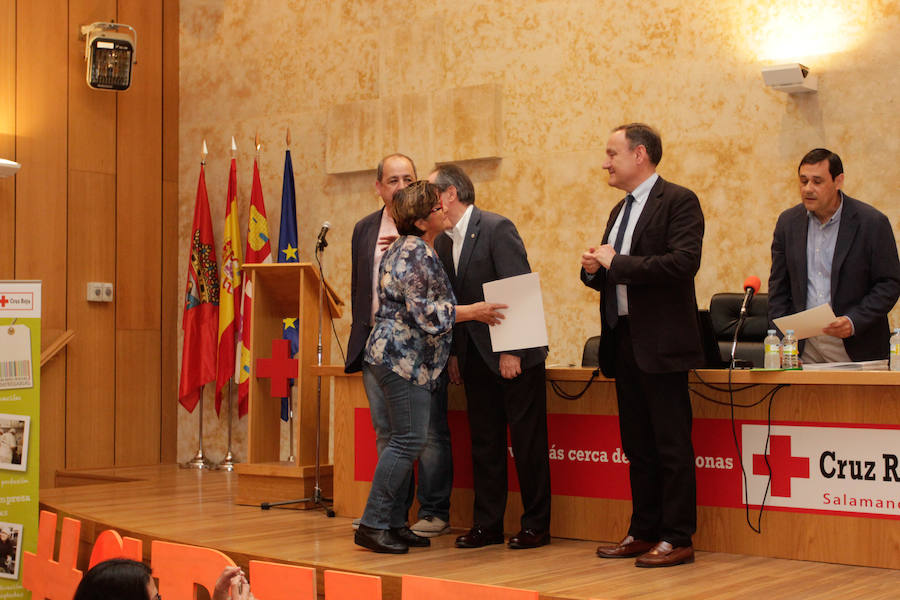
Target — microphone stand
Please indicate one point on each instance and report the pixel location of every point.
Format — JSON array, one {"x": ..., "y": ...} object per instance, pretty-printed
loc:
[
  {"x": 317, "y": 499},
  {"x": 748, "y": 296}
]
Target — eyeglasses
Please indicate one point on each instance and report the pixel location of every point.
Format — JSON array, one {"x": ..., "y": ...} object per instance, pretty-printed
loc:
[{"x": 437, "y": 208}]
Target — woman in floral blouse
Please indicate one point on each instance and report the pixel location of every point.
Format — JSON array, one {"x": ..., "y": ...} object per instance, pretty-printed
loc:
[{"x": 408, "y": 349}]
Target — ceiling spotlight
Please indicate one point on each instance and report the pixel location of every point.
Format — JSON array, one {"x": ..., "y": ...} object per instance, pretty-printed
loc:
[{"x": 109, "y": 51}]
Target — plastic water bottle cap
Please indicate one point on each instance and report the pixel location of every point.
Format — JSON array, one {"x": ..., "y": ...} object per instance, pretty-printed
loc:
[{"x": 771, "y": 332}]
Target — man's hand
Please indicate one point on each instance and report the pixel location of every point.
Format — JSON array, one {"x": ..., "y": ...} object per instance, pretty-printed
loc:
[
  {"x": 453, "y": 371},
  {"x": 385, "y": 241},
  {"x": 595, "y": 258},
  {"x": 510, "y": 366},
  {"x": 840, "y": 328}
]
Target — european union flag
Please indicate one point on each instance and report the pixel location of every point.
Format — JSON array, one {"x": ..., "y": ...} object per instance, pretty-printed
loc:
[
  {"x": 287, "y": 236},
  {"x": 291, "y": 333}
]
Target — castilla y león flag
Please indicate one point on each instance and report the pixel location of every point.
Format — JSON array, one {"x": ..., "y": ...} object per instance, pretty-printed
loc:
[
  {"x": 201, "y": 306},
  {"x": 258, "y": 250}
]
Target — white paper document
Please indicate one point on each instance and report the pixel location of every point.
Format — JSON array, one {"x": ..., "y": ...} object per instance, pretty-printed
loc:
[
  {"x": 807, "y": 323},
  {"x": 524, "y": 325}
]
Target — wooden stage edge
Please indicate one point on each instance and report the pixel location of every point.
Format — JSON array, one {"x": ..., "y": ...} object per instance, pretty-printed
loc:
[{"x": 164, "y": 502}]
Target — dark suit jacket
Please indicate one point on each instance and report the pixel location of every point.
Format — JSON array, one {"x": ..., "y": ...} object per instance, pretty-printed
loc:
[
  {"x": 865, "y": 273},
  {"x": 492, "y": 250},
  {"x": 362, "y": 248},
  {"x": 659, "y": 272}
]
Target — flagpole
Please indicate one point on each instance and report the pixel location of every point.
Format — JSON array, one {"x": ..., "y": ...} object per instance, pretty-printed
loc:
[
  {"x": 199, "y": 461},
  {"x": 291, "y": 457},
  {"x": 229, "y": 461}
]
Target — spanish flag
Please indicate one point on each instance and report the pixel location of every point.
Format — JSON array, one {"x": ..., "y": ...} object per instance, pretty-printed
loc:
[
  {"x": 229, "y": 288},
  {"x": 258, "y": 250}
]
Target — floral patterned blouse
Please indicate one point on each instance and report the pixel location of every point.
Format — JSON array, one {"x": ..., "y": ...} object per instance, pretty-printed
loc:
[{"x": 414, "y": 323}]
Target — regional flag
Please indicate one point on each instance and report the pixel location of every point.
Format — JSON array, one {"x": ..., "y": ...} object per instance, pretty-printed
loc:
[
  {"x": 287, "y": 236},
  {"x": 201, "y": 306},
  {"x": 229, "y": 288},
  {"x": 258, "y": 250},
  {"x": 291, "y": 333}
]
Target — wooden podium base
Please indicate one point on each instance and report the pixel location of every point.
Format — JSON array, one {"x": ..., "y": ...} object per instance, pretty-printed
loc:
[{"x": 280, "y": 481}]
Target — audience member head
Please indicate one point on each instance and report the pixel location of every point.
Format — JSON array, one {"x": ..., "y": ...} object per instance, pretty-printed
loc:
[{"x": 117, "y": 579}]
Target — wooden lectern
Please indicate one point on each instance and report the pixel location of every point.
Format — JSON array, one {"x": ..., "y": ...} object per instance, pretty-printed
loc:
[{"x": 280, "y": 291}]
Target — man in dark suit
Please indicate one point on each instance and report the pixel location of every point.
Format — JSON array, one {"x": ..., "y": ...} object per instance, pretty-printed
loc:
[
  {"x": 650, "y": 338},
  {"x": 837, "y": 250},
  {"x": 371, "y": 237},
  {"x": 502, "y": 389}
]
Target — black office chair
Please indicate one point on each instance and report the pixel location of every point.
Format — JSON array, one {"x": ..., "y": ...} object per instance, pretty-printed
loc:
[
  {"x": 590, "y": 357},
  {"x": 724, "y": 310}
]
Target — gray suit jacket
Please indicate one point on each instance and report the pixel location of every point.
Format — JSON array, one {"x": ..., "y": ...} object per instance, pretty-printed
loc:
[
  {"x": 492, "y": 250},
  {"x": 865, "y": 273}
]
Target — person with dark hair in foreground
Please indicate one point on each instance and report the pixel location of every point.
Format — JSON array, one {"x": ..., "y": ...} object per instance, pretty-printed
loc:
[
  {"x": 406, "y": 354},
  {"x": 126, "y": 579}
]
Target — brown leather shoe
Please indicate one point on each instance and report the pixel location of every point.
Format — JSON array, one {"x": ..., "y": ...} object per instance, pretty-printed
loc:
[
  {"x": 627, "y": 548},
  {"x": 529, "y": 538},
  {"x": 664, "y": 555},
  {"x": 478, "y": 537}
]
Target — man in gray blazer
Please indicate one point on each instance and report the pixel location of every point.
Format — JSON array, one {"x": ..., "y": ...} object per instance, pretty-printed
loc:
[
  {"x": 834, "y": 249},
  {"x": 502, "y": 389}
]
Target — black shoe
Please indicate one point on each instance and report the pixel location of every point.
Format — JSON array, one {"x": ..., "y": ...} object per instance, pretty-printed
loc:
[
  {"x": 379, "y": 540},
  {"x": 478, "y": 537},
  {"x": 405, "y": 535},
  {"x": 529, "y": 538}
]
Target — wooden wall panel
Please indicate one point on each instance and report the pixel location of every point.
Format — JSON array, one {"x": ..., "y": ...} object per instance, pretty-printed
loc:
[
  {"x": 7, "y": 134},
  {"x": 139, "y": 169},
  {"x": 170, "y": 309},
  {"x": 41, "y": 196},
  {"x": 137, "y": 398},
  {"x": 90, "y": 390},
  {"x": 169, "y": 367}
]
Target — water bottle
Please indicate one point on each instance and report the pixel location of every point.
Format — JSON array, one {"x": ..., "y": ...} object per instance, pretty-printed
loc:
[
  {"x": 789, "y": 357},
  {"x": 772, "y": 350},
  {"x": 895, "y": 350}
]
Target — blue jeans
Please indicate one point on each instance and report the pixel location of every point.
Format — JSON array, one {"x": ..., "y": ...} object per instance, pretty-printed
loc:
[
  {"x": 436, "y": 460},
  {"x": 408, "y": 408}
]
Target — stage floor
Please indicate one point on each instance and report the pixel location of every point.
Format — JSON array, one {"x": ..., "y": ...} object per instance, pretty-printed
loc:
[{"x": 196, "y": 507}]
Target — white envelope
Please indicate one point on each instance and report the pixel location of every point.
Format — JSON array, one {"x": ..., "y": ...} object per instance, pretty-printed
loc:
[{"x": 807, "y": 323}]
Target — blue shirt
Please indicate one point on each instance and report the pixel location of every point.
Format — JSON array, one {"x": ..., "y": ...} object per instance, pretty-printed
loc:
[
  {"x": 820, "y": 242},
  {"x": 417, "y": 309},
  {"x": 641, "y": 193}
]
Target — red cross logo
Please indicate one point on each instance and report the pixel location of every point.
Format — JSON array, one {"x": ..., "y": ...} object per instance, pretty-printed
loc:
[
  {"x": 3, "y": 301},
  {"x": 279, "y": 368},
  {"x": 784, "y": 466}
]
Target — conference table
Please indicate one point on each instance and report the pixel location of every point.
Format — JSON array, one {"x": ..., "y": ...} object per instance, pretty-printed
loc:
[{"x": 790, "y": 464}]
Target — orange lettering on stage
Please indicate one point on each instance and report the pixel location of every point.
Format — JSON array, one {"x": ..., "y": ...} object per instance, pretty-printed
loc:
[
  {"x": 178, "y": 567},
  {"x": 273, "y": 581},
  {"x": 45, "y": 577},
  {"x": 109, "y": 544}
]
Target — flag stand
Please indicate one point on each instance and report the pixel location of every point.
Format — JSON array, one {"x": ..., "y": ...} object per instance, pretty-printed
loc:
[
  {"x": 291, "y": 424},
  {"x": 199, "y": 461},
  {"x": 229, "y": 461}
]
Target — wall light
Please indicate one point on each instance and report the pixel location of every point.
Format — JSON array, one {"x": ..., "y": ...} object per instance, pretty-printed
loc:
[
  {"x": 8, "y": 168},
  {"x": 110, "y": 52},
  {"x": 792, "y": 78}
]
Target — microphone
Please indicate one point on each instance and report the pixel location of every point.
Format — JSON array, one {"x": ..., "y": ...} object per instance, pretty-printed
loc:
[
  {"x": 751, "y": 287},
  {"x": 321, "y": 243}
]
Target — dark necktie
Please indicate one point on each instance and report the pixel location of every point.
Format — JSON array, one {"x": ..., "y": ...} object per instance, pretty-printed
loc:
[{"x": 612, "y": 304}]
